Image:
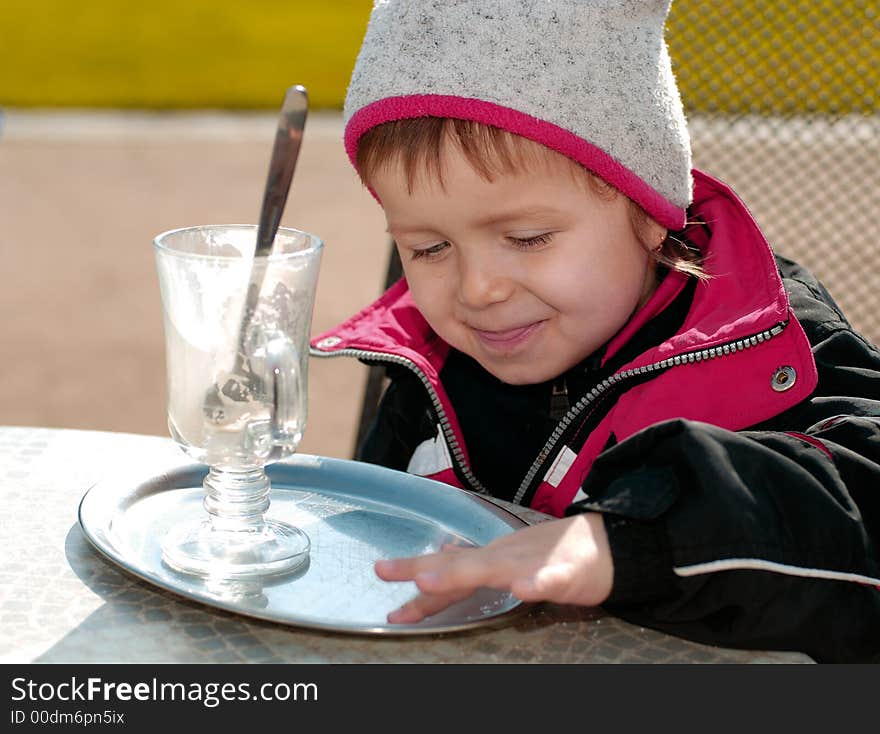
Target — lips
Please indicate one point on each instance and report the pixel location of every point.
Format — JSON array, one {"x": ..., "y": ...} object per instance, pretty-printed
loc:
[{"x": 507, "y": 339}]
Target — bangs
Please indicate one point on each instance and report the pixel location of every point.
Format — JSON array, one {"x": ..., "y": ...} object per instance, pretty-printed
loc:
[{"x": 417, "y": 146}]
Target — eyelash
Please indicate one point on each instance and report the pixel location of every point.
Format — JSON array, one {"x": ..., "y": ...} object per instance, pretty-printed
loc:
[
  {"x": 523, "y": 244},
  {"x": 426, "y": 253},
  {"x": 537, "y": 241}
]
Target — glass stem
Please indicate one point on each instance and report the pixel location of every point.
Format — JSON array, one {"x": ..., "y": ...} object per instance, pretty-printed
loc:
[{"x": 236, "y": 500}]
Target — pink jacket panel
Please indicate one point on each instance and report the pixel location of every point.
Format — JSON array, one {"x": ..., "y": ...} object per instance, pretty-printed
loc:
[{"x": 743, "y": 298}]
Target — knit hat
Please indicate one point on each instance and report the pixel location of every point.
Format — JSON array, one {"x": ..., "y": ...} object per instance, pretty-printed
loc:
[{"x": 591, "y": 79}]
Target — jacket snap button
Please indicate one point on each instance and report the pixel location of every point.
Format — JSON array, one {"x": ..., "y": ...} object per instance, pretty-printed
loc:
[
  {"x": 783, "y": 379},
  {"x": 327, "y": 342}
]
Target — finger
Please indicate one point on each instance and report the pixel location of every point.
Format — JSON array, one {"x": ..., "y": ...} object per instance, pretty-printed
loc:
[
  {"x": 398, "y": 569},
  {"x": 526, "y": 589},
  {"x": 453, "y": 547},
  {"x": 467, "y": 568},
  {"x": 425, "y": 605},
  {"x": 406, "y": 569}
]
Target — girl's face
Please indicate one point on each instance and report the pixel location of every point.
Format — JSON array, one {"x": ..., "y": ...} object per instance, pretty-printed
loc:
[{"x": 528, "y": 274}]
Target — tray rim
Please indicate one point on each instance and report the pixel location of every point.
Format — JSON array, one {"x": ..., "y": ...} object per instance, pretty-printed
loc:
[{"x": 132, "y": 485}]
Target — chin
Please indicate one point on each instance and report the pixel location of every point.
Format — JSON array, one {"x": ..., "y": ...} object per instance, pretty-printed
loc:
[{"x": 525, "y": 374}]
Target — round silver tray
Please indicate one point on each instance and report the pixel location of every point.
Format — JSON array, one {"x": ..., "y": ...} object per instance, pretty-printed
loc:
[{"x": 353, "y": 513}]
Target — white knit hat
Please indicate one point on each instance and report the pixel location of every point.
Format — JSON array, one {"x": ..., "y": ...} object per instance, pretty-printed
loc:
[{"x": 591, "y": 79}]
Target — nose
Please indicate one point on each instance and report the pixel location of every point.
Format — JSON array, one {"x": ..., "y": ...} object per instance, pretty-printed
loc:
[{"x": 482, "y": 281}]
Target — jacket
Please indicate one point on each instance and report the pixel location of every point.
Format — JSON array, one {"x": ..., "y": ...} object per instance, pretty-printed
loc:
[{"x": 736, "y": 463}]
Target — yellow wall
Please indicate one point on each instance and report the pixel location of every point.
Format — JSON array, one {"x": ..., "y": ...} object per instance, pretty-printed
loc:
[
  {"x": 766, "y": 56},
  {"x": 777, "y": 57}
]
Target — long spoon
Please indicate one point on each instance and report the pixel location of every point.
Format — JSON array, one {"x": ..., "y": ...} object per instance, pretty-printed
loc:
[{"x": 285, "y": 152}]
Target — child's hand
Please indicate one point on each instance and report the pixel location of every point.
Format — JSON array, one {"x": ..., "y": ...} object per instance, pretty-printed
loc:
[{"x": 565, "y": 561}]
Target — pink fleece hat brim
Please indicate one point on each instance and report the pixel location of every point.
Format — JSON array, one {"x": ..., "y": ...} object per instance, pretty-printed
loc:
[{"x": 552, "y": 136}]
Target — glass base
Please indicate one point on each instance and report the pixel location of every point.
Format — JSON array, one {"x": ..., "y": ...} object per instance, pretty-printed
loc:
[{"x": 268, "y": 549}]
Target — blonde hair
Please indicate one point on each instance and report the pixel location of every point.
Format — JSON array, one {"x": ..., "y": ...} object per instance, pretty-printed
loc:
[{"x": 417, "y": 145}]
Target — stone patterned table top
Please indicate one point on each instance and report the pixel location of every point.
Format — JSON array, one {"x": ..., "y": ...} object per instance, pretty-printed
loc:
[{"x": 61, "y": 601}]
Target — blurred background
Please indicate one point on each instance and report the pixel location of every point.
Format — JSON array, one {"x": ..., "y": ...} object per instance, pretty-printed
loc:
[{"x": 122, "y": 119}]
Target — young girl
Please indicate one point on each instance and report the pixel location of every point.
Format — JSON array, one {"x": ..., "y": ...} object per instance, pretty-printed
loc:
[{"x": 589, "y": 327}]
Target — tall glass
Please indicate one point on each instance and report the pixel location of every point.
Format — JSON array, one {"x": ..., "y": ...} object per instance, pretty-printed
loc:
[{"x": 236, "y": 342}]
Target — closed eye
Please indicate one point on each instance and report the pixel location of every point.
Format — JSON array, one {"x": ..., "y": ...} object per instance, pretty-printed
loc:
[
  {"x": 428, "y": 252},
  {"x": 526, "y": 243}
]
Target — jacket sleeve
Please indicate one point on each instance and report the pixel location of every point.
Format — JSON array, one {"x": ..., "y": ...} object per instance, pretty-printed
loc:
[{"x": 767, "y": 538}]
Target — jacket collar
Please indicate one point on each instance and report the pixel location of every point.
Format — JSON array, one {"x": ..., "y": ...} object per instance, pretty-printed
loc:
[
  {"x": 742, "y": 302},
  {"x": 744, "y": 296}
]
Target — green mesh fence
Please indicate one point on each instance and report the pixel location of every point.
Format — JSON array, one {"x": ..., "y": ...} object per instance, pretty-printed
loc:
[{"x": 783, "y": 103}]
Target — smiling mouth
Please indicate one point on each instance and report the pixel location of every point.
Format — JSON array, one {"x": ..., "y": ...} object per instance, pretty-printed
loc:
[{"x": 505, "y": 339}]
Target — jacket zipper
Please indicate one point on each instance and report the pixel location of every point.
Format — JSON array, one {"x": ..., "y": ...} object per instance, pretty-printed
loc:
[
  {"x": 445, "y": 425},
  {"x": 600, "y": 389},
  {"x": 618, "y": 377}
]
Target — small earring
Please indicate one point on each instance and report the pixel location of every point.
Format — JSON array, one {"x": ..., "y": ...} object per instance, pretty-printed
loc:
[{"x": 661, "y": 242}]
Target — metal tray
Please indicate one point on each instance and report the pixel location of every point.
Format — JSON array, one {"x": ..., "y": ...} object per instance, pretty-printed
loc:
[{"x": 353, "y": 513}]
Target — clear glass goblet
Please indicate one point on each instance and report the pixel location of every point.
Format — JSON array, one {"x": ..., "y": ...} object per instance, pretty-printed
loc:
[{"x": 236, "y": 342}]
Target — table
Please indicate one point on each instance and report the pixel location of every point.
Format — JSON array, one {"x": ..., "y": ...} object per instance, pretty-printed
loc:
[{"x": 61, "y": 601}]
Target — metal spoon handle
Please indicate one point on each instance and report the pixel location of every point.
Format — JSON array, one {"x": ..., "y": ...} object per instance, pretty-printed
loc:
[{"x": 285, "y": 151}]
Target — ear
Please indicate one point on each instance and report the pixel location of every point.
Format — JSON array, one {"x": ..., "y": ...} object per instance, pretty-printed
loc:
[
  {"x": 654, "y": 234},
  {"x": 650, "y": 233},
  {"x": 659, "y": 234}
]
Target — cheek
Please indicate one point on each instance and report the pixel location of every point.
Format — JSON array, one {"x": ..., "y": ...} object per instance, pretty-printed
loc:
[
  {"x": 428, "y": 291},
  {"x": 604, "y": 280}
]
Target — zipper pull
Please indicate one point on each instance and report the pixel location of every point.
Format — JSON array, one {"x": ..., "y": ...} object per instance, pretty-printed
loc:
[{"x": 559, "y": 405}]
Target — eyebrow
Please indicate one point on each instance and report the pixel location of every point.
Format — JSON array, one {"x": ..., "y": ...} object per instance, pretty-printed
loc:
[{"x": 513, "y": 215}]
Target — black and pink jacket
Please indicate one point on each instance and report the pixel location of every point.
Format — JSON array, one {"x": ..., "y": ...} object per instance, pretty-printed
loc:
[{"x": 738, "y": 466}]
